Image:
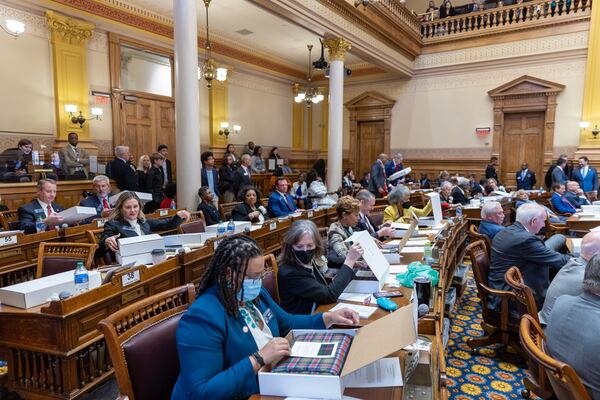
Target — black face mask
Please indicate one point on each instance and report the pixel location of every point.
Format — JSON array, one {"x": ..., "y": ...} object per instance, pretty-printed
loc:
[
  {"x": 304, "y": 256},
  {"x": 406, "y": 204}
]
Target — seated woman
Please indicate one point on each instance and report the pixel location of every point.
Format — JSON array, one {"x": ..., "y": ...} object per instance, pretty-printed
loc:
[
  {"x": 317, "y": 191},
  {"x": 234, "y": 327},
  {"x": 302, "y": 285},
  {"x": 251, "y": 208},
  {"x": 127, "y": 220},
  {"x": 400, "y": 209},
  {"x": 446, "y": 198},
  {"x": 258, "y": 164},
  {"x": 348, "y": 213},
  {"x": 212, "y": 216},
  {"x": 299, "y": 191}
]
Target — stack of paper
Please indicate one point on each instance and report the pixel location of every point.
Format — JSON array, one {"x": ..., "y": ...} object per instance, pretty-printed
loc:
[{"x": 364, "y": 312}]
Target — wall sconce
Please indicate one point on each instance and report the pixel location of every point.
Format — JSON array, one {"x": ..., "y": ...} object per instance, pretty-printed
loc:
[
  {"x": 225, "y": 129},
  {"x": 585, "y": 125},
  {"x": 13, "y": 27},
  {"x": 80, "y": 119}
]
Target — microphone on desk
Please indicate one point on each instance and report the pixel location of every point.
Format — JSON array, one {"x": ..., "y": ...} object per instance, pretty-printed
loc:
[{"x": 423, "y": 310}]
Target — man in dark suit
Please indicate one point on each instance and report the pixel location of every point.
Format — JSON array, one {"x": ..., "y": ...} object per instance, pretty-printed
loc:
[
  {"x": 558, "y": 173},
  {"x": 123, "y": 171},
  {"x": 43, "y": 208},
  {"x": 377, "y": 183},
  {"x": 458, "y": 193},
  {"x": 166, "y": 168},
  {"x": 525, "y": 178},
  {"x": 424, "y": 181},
  {"x": 560, "y": 204},
  {"x": 16, "y": 162},
  {"x": 209, "y": 174},
  {"x": 243, "y": 175},
  {"x": 518, "y": 245},
  {"x": 100, "y": 200},
  {"x": 280, "y": 202},
  {"x": 575, "y": 195},
  {"x": 587, "y": 177},
  {"x": 393, "y": 166},
  {"x": 365, "y": 223},
  {"x": 490, "y": 169}
]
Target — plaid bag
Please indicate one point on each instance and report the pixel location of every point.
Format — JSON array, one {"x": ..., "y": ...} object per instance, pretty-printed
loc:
[{"x": 317, "y": 366}]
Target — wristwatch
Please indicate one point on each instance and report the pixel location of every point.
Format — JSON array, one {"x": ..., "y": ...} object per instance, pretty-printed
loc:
[{"x": 258, "y": 359}]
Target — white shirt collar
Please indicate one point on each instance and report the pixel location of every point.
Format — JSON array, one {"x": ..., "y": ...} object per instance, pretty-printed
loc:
[{"x": 44, "y": 205}]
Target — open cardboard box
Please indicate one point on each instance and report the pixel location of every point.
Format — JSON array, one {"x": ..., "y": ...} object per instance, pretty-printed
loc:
[{"x": 372, "y": 342}]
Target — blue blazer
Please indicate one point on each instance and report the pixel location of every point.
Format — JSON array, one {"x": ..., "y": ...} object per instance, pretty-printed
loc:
[
  {"x": 528, "y": 182},
  {"x": 28, "y": 213},
  {"x": 489, "y": 228},
  {"x": 213, "y": 347},
  {"x": 215, "y": 179},
  {"x": 391, "y": 168},
  {"x": 560, "y": 205},
  {"x": 94, "y": 202},
  {"x": 590, "y": 182},
  {"x": 278, "y": 207}
]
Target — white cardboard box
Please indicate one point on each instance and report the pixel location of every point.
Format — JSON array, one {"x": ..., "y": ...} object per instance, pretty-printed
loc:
[
  {"x": 187, "y": 238},
  {"x": 137, "y": 259},
  {"x": 143, "y": 196},
  {"x": 391, "y": 333},
  {"x": 33, "y": 293},
  {"x": 376, "y": 262},
  {"x": 240, "y": 226},
  {"x": 140, "y": 245},
  {"x": 77, "y": 214}
]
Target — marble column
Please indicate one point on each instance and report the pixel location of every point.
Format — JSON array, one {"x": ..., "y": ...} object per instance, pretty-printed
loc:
[
  {"x": 337, "y": 50},
  {"x": 187, "y": 120}
]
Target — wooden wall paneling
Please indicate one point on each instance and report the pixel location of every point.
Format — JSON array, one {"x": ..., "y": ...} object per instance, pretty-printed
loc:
[{"x": 523, "y": 142}]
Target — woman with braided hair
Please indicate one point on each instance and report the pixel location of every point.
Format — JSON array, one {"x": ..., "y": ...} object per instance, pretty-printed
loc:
[{"x": 234, "y": 327}]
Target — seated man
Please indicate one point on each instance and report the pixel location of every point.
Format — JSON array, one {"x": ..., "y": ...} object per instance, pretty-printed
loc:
[
  {"x": 569, "y": 278},
  {"x": 572, "y": 331},
  {"x": 42, "y": 208},
  {"x": 575, "y": 195},
  {"x": 280, "y": 202},
  {"x": 367, "y": 202},
  {"x": 99, "y": 201},
  {"x": 518, "y": 245},
  {"x": 560, "y": 204},
  {"x": 16, "y": 162},
  {"x": 492, "y": 217},
  {"x": 522, "y": 197},
  {"x": 459, "y": 195}
]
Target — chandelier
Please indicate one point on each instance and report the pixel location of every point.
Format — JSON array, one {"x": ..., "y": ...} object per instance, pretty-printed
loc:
[
  {"x": 209, "y": 70},
  {"x": 310, "y": 95}
]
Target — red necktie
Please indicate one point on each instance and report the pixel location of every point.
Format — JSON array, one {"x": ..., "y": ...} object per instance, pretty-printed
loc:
[
  {"x": 105, "y": 204},
  {"x": 49, "y": 210},
  {"x": 385, "y": 190}
]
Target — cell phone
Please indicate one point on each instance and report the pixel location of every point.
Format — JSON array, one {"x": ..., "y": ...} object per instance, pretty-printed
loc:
[{"x": 387, "y": 294}]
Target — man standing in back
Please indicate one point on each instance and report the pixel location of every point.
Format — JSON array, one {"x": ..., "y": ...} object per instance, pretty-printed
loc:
[
  {"x": 587, "y": 177},
  {"x": 122, "y": 170},
  {"x": 166, "y": 167},
  {"x": 525, "y": 178},
  {"x": 378, "y": 182}
]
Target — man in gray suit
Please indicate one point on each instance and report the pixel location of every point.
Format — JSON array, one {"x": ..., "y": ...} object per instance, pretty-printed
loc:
[
  {"x": 518, "y": 245},
  {"x": 569, "y": 278},
  {"x": 74, "y": 158},
  {"x": 558, "y": 173},
  {"x": 573, "y": 326},
  {"x": 378, "y": 184}
]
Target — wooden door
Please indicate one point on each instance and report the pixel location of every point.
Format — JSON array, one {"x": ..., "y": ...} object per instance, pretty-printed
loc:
[
  {"x": 146, "y": 123},
  {"x": 523, "y": 141},
  {"x": 370, "y": 145}
]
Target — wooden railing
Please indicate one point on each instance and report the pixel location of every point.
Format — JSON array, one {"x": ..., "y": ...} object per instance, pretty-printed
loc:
[
  {"x": 401, "y": 13},
  {"x": 502, "y": 19}
]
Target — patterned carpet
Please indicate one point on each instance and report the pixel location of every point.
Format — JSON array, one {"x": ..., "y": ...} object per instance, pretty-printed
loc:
[{"x": 483, "y": 375}]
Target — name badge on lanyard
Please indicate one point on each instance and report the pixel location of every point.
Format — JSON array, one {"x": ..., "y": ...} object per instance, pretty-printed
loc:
[{"x": 268, "y": 315}]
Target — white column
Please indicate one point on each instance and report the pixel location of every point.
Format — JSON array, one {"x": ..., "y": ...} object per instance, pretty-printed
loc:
[
  {"x": 187, "y": 123},
  {"x": 337, "y": 49}
]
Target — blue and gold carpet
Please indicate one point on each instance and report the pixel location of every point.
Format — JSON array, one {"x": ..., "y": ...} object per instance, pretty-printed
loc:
[{"x": 483, "y": 375}]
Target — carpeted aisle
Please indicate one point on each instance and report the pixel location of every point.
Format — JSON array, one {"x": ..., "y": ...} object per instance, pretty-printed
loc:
[{"x": 477, "y": 376}]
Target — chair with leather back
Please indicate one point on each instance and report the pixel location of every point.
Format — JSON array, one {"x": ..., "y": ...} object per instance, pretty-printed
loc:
[
  {"x": 497, "y": 325},
  {"x": 9, "y": 220},
  {"x": 197, "y": 226},
  {"x": 102, "y": 256},
  {"x": 376, "y": 218},
  {"x": 141, "y": 341},
  {"x": 270, "y": 279},
  {"x": 56, "y": 257},
  {"x": 474, "y": 235},
  {"x": 564, "y": 380},
  {"x": 537, "y": 382}
]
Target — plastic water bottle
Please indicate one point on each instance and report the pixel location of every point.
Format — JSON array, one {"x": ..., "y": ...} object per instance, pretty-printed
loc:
[
  {"x": 221, "y": 228},
  {"x": 541, "y": 190},
  {"x": 427, "y": 250},
  {"x": 459, "y": 212},
  {"x": 173, "y": 205},
  {"x": 82, "y": 278},
  {"x": 39, "y": 224},
  {"x": 315, "y": 205},
  {"x": 231, "y": 227}
]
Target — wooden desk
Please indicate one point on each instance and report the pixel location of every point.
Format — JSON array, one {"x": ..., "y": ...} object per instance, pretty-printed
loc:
[
  {"x": 68, "y": 193},
  {"x": 54, "y": 351},
  {"x": 582, "y": 224}
]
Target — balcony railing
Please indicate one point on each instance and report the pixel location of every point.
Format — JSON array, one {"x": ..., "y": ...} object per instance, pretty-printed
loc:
[{"x": 501, "y": 19}]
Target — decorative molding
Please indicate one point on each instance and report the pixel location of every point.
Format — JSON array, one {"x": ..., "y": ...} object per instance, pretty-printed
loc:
[
  {"x": 34, "y": 24},
  {"x": 261, "y": 84},
  {"x": 98, "y": 42},
  {"x": 68, "y": 30},
  {"x": 458, "y": 153},
  {"x": 528, "y": 47},
  {"x": 337, "y": 48}
]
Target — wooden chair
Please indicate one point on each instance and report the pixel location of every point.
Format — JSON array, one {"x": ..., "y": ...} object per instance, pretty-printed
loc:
[
  {"x": 192, "y": 227},
  {"x": 474, "y": 235},
  {"x": 552, "y": 229},
  {"x": 270, "y": 278},
  {"x": 497, "y": 325},
  {"x": 56, "y": 257},
  {"x": 537, "y": 382},
  {"x": 142, "y": 344},
  {"x": 196, "y": 215},
  {"x": 564, "y": 380},
  {"x": 102, "y": 256},
  {"x": 9, "y": 220}
]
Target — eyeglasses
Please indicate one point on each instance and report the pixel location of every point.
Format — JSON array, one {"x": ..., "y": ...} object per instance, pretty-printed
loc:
[{"x": 260, "y": 277}]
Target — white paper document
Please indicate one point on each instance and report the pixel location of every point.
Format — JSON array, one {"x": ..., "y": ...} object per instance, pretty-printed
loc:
[
  {"x": 364, "y": 312},
  {"x": 357, "y": 297},
  {"x": 398, "y": 225},
  {"x": 576, "y": 245},
  {"x": 372, "y": 254},
  {"x": 392, "y": 244},
  {"x": 314, "y": 350},
  {"x": 382, "y": 373},
  {"x": 76, "y": 214},
  {"x": 418, "y": 249},
  {"x": 398, "y": 269},
  {"x": 425, "y": 232},
  {"x": 416, "y": 242}
]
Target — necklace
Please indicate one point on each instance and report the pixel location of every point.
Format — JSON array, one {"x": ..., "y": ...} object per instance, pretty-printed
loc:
[{"x": 250, "y": 314}]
